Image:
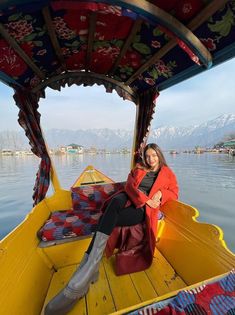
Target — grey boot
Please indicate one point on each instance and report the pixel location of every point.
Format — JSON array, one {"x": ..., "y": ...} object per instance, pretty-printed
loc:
[{"x": 79, "y": 283}]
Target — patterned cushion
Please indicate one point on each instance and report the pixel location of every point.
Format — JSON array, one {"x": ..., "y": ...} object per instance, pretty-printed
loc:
[
  {"x": 92, "y": 197},
  {"x": 68, "y": 223},
  {"x": 83, "y": 218}
]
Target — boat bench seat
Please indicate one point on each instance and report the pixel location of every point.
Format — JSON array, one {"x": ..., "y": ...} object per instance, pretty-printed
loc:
[{"x": 83, "y": 218}]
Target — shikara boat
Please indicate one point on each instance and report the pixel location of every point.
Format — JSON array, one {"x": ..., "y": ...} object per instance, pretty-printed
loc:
[{"x": 137, "y": 48}]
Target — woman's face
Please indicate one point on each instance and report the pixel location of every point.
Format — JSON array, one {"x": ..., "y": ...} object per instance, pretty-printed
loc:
[{"x": 152, "y": 159}]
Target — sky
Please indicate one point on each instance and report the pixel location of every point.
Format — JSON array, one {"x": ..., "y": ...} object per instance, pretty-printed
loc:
[{"x": 192, "y": 102}]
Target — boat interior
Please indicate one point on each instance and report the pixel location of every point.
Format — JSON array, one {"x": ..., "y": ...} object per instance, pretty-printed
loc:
[{"x": 187, "y": 253}]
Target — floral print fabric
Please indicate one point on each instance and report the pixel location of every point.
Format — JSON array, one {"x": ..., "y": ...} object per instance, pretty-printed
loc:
[{"x": 26, "y": 25}]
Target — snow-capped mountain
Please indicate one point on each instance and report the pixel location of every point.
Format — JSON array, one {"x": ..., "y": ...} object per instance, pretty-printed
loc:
[
  {"x": 168, "y": 137},
  {"x": 205, "y": 135}
]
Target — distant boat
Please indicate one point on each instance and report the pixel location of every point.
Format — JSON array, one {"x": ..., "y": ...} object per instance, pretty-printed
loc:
[
  {"x": 91, "y": 176},
  {"x": 174, "y": 152}
]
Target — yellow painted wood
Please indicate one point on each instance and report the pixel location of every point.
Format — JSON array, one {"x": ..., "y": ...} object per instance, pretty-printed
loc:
[
  {"x": 111, "y": 292},
  {"x": 196, "y": 250},
  {"x": 166, "y": 296},
  {"x": 136, "y": 130},
  {"x": 143, "y": 286},
  {"x": 91, "y": 175},
  {"x": 67, "y": 253},
  {"x": 26, "y": 293},
  {"x": 122, "y": 287},
  {"x": 60, "y": 200},
  {"x": 54, "y": 177},
  {"x": 162, "y": 276},
  {"x": 156, "y": 279},
  {"x": 167, "y": 273},
  {"x": 99, "y": 298},
  {"x": 23, "y": 271},
  {"x": 59, "y": 281}
]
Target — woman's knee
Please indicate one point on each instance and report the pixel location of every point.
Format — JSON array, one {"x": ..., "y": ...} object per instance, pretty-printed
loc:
[
  {"x": 118, "y": 201},
  {"x": 119, "y": 198}
]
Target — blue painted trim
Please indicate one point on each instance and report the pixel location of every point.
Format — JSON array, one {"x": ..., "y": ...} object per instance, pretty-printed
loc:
[
  {"x": 8, "y": 80},
  {"x": 219, "y": 57},
  {"x": 184, "y": 75},
  {"x": 224, "y": 54}
]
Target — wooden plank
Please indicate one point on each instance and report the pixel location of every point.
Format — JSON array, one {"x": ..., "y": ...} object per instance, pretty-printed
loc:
[
  {"x": 31, "y": 281},
  {"x": 12, "y": 42},
  {"x": 173, "y": 281},
  {"x": 23, "y": 272},
  {"x": 111, "y": 293},
  {"x": 162, "y": 275},
  {"x": 122, "y": 287},
  {"x": 134, "y": 140},
  {"x": 91, "y": 35},
  {"x": 156, "y": 279},
  {"x": 204, "y": 15},
  {"x": 127, "y": 44},
  {"x": 59, "y": 281},
  {"x": 99, "y": 298},
  {"x": 143, "y": 286},
  {"x": 52, "y": 35}
]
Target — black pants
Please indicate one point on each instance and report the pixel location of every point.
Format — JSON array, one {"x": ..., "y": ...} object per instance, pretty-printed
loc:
[{"x": 117, "y": 215}]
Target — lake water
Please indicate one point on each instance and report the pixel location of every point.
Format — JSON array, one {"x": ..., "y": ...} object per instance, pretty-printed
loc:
[{"x": 207, "y": 182}]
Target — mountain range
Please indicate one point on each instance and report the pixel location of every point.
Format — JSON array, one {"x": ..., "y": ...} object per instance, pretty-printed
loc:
[{"x": 167, "y": 137}]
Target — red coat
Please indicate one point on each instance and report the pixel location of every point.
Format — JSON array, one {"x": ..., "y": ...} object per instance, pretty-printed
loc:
[{"x": 137, "y": 243}]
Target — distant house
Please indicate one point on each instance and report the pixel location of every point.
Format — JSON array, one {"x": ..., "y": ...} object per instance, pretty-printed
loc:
[
  {"x": 7, "y": 152},
  {"x": 74, "y": 148},
  {"x": 230, "y": 144}
]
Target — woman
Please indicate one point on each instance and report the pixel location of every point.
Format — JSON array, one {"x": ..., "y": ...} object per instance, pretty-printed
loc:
[{"x": 148, "y": 186}]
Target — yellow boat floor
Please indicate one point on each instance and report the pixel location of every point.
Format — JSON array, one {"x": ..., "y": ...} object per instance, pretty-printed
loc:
[{"x": 112, "y": 293}]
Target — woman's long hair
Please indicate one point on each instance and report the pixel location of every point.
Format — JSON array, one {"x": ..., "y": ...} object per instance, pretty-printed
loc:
[{"x": 160, "y": 155}]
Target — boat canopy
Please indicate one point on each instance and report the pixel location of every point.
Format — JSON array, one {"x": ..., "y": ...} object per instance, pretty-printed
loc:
[
  {"x": 135, "y": 47},
  {"x": 132, "y": 45}
]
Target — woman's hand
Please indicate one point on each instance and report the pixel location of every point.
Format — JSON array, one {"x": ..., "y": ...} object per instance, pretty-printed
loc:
[
  {"x": 157, "y": 196},
  {"x": 153, "y": 203}
]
